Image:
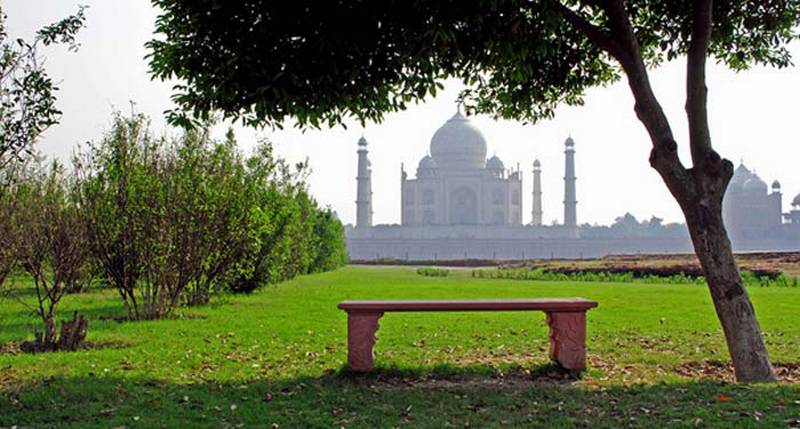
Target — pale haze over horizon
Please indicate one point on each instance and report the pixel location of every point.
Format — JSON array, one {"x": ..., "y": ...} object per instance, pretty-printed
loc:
[{"x": 753, "y": 116}]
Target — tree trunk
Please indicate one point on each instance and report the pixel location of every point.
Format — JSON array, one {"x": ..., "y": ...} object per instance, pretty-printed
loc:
[
  {"x": 73, "y": 332},
  {"x": 49, "y": 340},
  {"x": 698, "y": 190},
  {"x": 731, "y": 301}
]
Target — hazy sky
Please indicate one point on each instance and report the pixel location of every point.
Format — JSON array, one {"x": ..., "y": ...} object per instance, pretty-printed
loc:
[{"x": 754, "y": 116}]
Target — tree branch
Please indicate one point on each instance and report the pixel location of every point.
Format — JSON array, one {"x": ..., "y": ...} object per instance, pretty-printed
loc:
[
  {"x": 595, "y": 34},
  {"x": 620, "y": 42},
  {"x": 696, "y": 91}
]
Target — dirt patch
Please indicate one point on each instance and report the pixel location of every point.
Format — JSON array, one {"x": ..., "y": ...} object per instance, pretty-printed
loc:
[
  {"x": 470, "y": 263},
  {"x": 15, "y": 347},
  {"x": 723, "y": 371},
  {"x": 125, "y": 319}
]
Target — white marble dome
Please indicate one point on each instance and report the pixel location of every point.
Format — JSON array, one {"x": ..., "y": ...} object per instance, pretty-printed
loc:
[
  {"x": 426, "y": 163},
  {"x": 494, "y": 163},
  {"x": 458, "y": 145},
  {"x": 755, "y": 184}
]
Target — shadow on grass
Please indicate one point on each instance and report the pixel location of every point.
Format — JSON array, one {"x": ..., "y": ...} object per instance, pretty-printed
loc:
[{"x": 390, "y": 397}]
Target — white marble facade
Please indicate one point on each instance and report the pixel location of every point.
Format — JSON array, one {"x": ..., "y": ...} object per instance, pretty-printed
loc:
[
  {"x": 462, "y": 205},
  {"x": 456, "y": 185}
]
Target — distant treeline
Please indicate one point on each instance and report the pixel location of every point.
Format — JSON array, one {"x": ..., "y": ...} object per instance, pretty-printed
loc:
[{"x": 627, "y": 226}]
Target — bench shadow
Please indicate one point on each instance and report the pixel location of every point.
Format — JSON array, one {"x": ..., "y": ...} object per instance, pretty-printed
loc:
[{"x": 440, "y": 396}]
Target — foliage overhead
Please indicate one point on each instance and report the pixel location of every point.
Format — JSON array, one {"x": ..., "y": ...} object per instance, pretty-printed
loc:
[
  {"x": 262, "y": 61},
  {"x": 27, "y": 93}
]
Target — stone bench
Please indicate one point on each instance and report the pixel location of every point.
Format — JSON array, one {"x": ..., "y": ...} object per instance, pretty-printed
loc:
[{"x": 565, "y": 316}]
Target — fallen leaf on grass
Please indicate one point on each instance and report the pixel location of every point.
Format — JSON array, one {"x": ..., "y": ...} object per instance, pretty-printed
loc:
[{"x": 723, "y": 398}]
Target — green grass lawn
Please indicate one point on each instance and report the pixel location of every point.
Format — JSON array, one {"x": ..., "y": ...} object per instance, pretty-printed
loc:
[{"x": 276, "y": 359}]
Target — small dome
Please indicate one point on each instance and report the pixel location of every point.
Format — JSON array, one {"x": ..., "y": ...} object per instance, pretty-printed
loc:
[
  {"x": 740, "y": 175},
  {"x": 776, "y": 185},
  {"x": 458, "y": 145},
  {"x": 569, "y": 142},
  {"x": 426, "y": 163},
  {"x": 536, "y": 163},
  {"x": 362, "y": 141},
  {"x": 494, "y": 163},
  {"x": 796, "y": 200},
  {"x": 754, "y": 184}
]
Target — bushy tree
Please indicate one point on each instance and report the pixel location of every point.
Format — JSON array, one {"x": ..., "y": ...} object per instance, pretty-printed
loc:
[
  {"x": 117, "y": 179},
  {"x": 53, "y": 251},
  {"x": 211, "y": 203},
  {"x": 291, "y": 234},
  {"x": 173, "y": 221},
  {"x": 263, "y": 61},
  {"x": 27, "y": 108},
  {"x": 331, "y": 246}
]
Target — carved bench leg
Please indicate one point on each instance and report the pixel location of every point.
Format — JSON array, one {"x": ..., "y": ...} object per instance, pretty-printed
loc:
[
  {"x": 361, "y": 328},
  {"x": 568, "y": 339}
]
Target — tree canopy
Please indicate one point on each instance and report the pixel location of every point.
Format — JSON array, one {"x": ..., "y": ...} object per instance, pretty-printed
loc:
[{"x": 320, "y": 62}]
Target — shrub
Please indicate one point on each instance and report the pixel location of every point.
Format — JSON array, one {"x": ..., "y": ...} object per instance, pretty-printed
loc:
[
  {"x": 292, "y": 234},
  {"x": 433, "y": 272},
  {"x": 542, "y": 274},
  {"x": 173, "y": 222}
]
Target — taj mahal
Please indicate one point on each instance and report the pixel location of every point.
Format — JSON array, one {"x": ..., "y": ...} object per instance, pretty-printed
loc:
[
  {"x": 456, "y": 185},
  {"x": 461, "y": 205}
]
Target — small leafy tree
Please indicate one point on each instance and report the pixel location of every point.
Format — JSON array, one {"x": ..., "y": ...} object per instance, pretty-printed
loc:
[
  {"x": 27, "y": 94},
  {"x": 27, "y": 108},
  {"x": 54, "y": 252},
  {"x": 275, "y": 212},
  {"x": 114, "y": 177},
  {"x": 211, "y": 203}
]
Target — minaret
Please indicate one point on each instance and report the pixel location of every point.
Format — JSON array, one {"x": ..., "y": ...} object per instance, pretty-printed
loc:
[
  {"x": 570, "y": 202},
  {"x": 364, "y": 193},
  {"x": 537, "y": 193}
]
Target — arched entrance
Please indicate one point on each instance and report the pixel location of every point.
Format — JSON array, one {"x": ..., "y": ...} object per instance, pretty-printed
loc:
[{"x": 464, "y": 206}]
